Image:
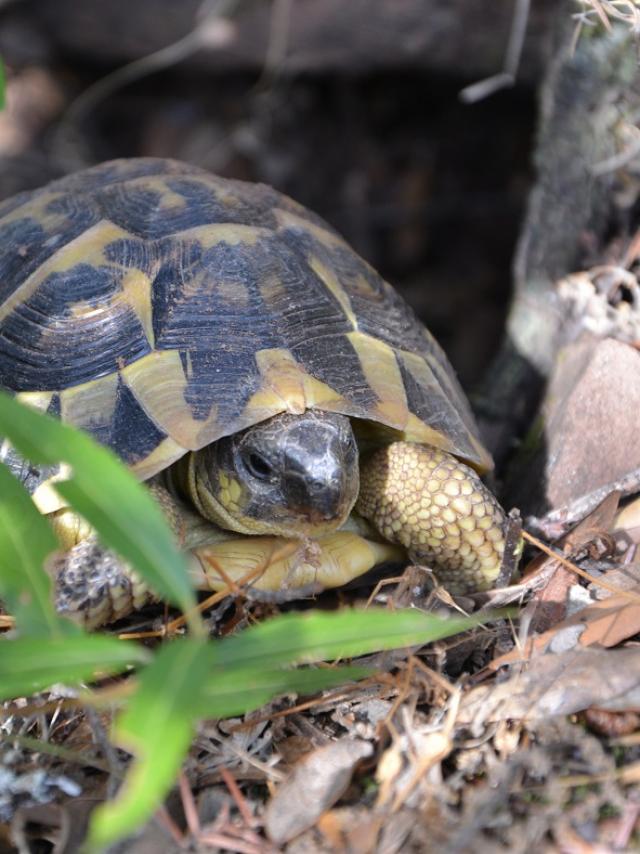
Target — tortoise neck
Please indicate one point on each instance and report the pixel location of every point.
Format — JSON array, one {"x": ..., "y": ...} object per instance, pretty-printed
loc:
[{"x": 185, "y": 480}]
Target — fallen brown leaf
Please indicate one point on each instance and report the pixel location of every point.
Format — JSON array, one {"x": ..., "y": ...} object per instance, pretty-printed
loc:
[
  {"x": 314, "y": 785},
  {"x": 604, "y": 623},
  {"x": 560, "y": 684}
]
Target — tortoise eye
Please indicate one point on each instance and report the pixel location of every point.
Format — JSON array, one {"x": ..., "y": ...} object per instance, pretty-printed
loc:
[{"x": 257, "y": 466}]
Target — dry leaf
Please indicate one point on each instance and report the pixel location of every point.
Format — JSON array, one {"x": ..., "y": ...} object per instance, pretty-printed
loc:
[
  {"x": 604, "y": 623},
  {"x": 314, "y": 785},
  {"x": 558, "y": 685}
]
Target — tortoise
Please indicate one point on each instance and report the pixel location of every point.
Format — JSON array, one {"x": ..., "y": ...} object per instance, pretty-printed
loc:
[{"x": 282, "y": 399}]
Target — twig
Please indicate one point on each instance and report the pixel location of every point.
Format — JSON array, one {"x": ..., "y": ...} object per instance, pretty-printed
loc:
[
  {"x": 189, "y": 805},
  {"x": 506, "y": 77},
  {"x": 628, "y": 594},
  {"x": 249, "y": 819},
  {"x": 57, "y": 751},
  {"x": 211, "y": 31}
]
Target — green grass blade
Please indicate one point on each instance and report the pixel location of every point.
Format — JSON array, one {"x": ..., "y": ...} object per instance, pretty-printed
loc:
[
  {"x": 100, "y": 488},
  {"x": 319, "y": 636},
  {"x": 157, "y": 728},
  {"x": 26, "y": 540},
  {"x": 239, "y": 691},
  {"x": 158, "y": 723},
  {"x": 33, "y": 664},
  {"x": 190, "y": 679}
]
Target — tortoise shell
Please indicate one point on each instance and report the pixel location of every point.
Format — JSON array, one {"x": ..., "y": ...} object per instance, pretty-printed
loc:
[{"x": 159, "y": 308}]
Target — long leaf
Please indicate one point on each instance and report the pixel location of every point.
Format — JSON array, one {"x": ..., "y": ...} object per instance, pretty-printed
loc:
[
  {"x": 157, "y": 728},
  {"x": 159, "y": 722},
  {"x": 318, "y": 636},
  {"x": 102, "y": 490},
  {"x": 242, "y": 690},
  {"x": 26, "y": 540},
  {"x": 33, "y": 664},
  {"x": 233, "y": 676}
]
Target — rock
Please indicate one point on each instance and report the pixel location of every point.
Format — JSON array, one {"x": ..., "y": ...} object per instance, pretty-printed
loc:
[{"x": 591, "y": 421}]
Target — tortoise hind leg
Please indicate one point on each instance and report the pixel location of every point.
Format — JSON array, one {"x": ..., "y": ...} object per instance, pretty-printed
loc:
[{"x": 439, "y": 509}]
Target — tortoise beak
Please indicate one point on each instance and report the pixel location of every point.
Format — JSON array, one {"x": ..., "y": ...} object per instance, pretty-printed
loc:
[
  {"x": 320, "y": 477},
  {"x": 321, "y": 495},
  {"x": 293, "y": 475}
]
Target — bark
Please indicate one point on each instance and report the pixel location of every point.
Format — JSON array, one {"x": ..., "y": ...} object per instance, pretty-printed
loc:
[{"x": 584, "y": 97}]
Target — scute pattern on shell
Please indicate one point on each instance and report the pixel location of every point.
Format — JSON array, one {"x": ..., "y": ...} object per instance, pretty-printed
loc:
[{"x": 160, "y": 307}]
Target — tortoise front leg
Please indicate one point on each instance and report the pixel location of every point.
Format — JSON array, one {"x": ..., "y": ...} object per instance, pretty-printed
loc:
[
  {"x": 93, "y": 585},
  {"x": 280, "y": 565},
  {"x": 439, "y": 509}
]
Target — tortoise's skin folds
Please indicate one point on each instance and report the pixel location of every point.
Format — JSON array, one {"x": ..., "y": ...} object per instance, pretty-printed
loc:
[
  {"x": 182, "y": 318},
  {"x": 160, "y": 308}
]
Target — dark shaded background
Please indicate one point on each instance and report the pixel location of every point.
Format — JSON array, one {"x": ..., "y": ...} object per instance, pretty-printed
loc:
[{"x": 358, "y": 116}]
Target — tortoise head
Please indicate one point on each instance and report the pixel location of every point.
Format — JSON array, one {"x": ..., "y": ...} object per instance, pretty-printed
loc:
[{"x": 293, "y": 476}]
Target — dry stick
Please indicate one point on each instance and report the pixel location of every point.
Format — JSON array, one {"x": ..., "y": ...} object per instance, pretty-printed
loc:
[
  {"x": 116, "y": 772},
  {"x": 628, "y": 594},
  {"x": 233, "y": 586},
  {"x": 506, "y": 77},
  {"x": 596, "y": 7},
  {"x": 189, "y": 805},
  {"x": 330, "y": 697},
  {"x": 403, "y": 693},
  {"x": 166, "y": 823},
  {"x": 605, "y": 9},
  {"x": 209, "y": 602},
  {"x": 238, "y": 797},
  {"x": 51, "y": 706},
  {"x": 426, "y": 762},
  {"x": 384, "y": 582},
  {"x": 278, "y": 37},
  {"x": 436, "y": 677},
  {"x": 98, "y": 697},
  {"x": 233, "y": 838},
  {"x": 244, "y": 755},
  {"x": 209, "y": 32},
  {"x": 57, "y": 751},
  {"x": 616, "y": 161},
  {"x": 228, "y": 843},
  {"x": 627, "y": 774}
]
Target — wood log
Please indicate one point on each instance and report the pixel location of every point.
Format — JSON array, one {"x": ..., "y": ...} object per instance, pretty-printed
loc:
[{"x": 458, "y": 37}]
